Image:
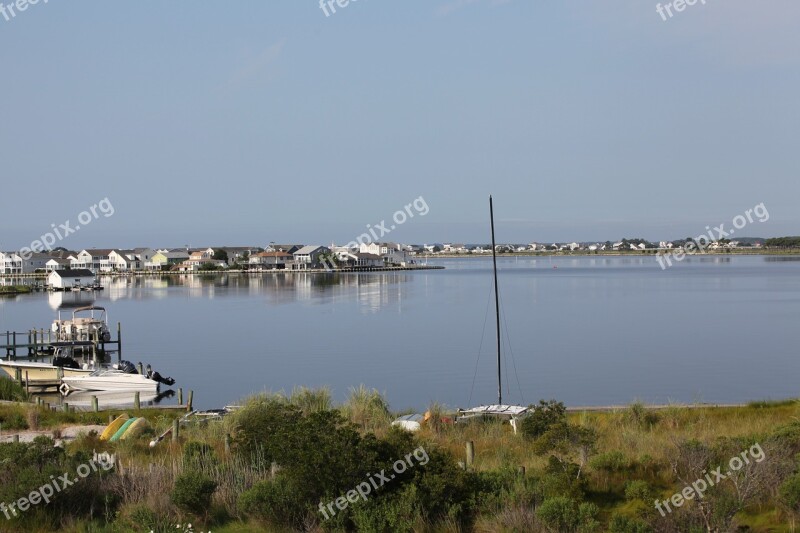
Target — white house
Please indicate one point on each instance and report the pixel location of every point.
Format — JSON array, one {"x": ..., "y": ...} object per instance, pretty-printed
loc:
[
  {"x": 67, "y": 279},
  {"x": 35, "y": 261},
  {"x": 10, "y": 263},
  {"x": 58, "y": 264}
]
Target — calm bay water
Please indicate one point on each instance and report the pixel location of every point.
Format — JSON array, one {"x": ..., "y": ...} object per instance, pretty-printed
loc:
[{"x": 584, "y": 330}]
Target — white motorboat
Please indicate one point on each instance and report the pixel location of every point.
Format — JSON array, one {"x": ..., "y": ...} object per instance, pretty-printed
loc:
[
  {"x": 109, "y": 379},
  {"x": 93, "y": 327}
]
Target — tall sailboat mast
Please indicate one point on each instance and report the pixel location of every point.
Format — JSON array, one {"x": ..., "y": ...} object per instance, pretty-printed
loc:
[{"x": 496, "y": 306}]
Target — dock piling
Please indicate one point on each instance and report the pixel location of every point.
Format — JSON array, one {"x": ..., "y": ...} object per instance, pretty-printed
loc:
[
  {"x": 175, "y": 428},
  {"x": 95, "y": 404},
  {"x": 189, "y": 403},
  {"x": 180, "y": 396},
  {"x": 136, "y": 404},
  {"x": 470, "y": 453}
]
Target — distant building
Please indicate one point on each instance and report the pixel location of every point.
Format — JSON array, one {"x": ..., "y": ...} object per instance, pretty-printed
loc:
[
  {"x": 270, "y": 260},
  {"x": 68, "y": 279}
]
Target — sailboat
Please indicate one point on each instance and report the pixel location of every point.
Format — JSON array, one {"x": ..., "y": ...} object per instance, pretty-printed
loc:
[{"x": 511, "y": 413}]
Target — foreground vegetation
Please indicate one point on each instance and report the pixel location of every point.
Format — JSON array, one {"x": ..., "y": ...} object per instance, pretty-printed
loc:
[{"x": 274, "y": 464}]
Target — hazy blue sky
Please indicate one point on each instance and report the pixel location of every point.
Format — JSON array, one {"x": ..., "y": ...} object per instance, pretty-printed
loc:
[{"x": 251, "y": 121}]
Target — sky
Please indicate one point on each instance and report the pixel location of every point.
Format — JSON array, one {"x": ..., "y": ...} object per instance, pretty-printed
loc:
[{"x": 242, "y": 123}]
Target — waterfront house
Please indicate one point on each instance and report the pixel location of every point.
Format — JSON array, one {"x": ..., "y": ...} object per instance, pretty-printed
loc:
[
  {"x": 92, "y": 259},
  {"x": 270, "y": 260},
  {"x": 359, "y": 260},
  {"x": 10, "y": 263},
  {"x": 58, "y": 263},
  {"x": 308, "y": 257},
  {"x": 164, "y": 259},
  {"x": 67, "y": 279},
  {"x": 34, "y": 262},
  {"x": 287, "y": 248}
]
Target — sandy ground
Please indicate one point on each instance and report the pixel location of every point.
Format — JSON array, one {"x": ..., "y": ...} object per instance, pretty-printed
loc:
[{"x": 67, "y": 433}]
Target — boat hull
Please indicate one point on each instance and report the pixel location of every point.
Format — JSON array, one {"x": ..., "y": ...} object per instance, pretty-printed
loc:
[
  {"x": 39, "y": 372},
  {"x": 121, "y": 382}
]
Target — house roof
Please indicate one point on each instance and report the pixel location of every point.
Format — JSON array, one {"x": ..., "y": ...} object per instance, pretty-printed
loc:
[
  {"x": 76, "y": 273},
  {"x": 273, "y": 254},
  {"x": 367, "y": 256},
  {"x": 98, "y": 251},
  {"x": 305, "y": 250}
]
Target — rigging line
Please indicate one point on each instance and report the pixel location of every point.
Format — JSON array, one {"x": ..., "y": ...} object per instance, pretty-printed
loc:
[
  {"x": 511, "y": 351},
  {"x": 480, "y": 346}
]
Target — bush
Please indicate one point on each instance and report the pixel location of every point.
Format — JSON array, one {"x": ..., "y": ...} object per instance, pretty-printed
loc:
[
  {"x": 638, "y": 490},
  {"x": 566, "y": 515},
  {"x": 641, "y": 416},
  {"x": 12, "y": 391},
  {"x": 790, "y": 493},
  {"x": 277, "y": 502},
  {"x": 197, "y": 454},
  {"x": 192, "y": 492},
  {"x": 543, "y": 417},
  {"x": 623, "y": 524}
]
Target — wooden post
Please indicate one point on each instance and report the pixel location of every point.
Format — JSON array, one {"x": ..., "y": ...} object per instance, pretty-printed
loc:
[
  {"x": 14, "y": 347},
  {"x": 140, "y": 368},
  {"x": 119, "y": 342},
  {"x": 18, "y": 375},
  {"x": 15, "y": 439},
  {"x": 470, "y": 453},
  {"x": 95, "y": 404},
  {"x": 136, "y": 404},
  {"x": 227, "y": 443},
  {"x": 27, "y": 382},
  {"x": 175, "y": 429},
  {"x": 110, "y": 418},
  {"x": 189, "y": 403},
  {"x": 47, "y": 405},
  {"x": 66, "y": 407},
  {"x": 180, "y": 396}
]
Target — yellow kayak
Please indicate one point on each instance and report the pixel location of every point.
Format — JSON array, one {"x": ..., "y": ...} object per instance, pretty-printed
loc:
[
  {"x": 121, "y": 431},
  {"x": 114, "y": 426}
]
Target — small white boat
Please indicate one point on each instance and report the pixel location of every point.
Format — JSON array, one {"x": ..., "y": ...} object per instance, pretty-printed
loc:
[{"x": 109, "y": 379}]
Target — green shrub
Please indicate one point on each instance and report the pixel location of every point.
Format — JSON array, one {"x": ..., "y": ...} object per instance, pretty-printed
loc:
[
  {"x": 192, "y": 492},
  {"x": 542, "y": 418},
  {"x": 12, "y": 391},
  {"x": 197, "y": 454},
  {"x": 566, "y": 515},
  {"x": 277, "y": 502},
  {"x": 790, "y": 493},
  {"x": 610, "y": 462},
  {"x": 640, "y": 416},
  {"x": 638, "y": 490},
  {"x": 623, "y": 524}
]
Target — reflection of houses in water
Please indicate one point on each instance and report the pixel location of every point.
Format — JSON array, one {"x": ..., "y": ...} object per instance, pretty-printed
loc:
[{"x": 373, "y": 291}]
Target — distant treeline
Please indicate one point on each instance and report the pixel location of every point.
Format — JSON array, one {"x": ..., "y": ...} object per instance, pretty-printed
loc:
[{"x": 783, "y": 242}]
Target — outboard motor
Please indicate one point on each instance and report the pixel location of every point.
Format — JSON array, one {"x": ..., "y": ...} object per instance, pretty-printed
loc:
[
  {"x": 65, "y": 362},
  {"x": 155, "y": 376},
  {"x": 127, "y": 367}
]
